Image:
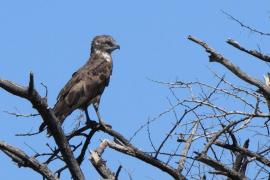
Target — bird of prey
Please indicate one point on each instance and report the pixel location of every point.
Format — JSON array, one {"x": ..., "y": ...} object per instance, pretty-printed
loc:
[{"x": 87, "y": 83}]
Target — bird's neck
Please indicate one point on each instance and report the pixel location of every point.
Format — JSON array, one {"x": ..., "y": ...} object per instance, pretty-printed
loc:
[{"x": 107, "y": 56}]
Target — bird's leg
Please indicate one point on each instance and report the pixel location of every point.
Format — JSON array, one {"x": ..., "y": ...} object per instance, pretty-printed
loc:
[
  {"x": 88, "y": 120},
  {"x": 101, "y": 121}
]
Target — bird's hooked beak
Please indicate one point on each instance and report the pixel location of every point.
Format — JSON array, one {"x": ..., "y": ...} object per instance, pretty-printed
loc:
[{"x": 115, "y": 47}]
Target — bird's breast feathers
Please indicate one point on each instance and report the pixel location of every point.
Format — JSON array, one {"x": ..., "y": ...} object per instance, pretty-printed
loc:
[{"x": 104, "y": 55}]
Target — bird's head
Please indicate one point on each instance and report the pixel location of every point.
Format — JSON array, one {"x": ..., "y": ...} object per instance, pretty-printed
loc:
[{"x": 104, "y": 43}]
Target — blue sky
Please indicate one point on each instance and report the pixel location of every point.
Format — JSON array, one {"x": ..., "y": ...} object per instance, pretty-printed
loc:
[{"x": 52, "y": 39}]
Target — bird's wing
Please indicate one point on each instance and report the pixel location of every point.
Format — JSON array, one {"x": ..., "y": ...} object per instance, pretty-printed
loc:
[
  {"x": 76, "y": 77},
  {"x": 87, "y": 78}
]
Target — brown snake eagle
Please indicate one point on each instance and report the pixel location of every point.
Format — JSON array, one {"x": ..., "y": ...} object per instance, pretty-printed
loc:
[{"x": 88, "y": 83}]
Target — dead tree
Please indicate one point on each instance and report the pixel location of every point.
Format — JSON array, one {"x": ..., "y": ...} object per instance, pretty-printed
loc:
[
  {"x": 65, "y": 151},
  {"x": 204, "y": 133}
]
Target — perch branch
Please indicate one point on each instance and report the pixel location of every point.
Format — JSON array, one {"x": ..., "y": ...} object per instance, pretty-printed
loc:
[{"x": 49, "y": 118}]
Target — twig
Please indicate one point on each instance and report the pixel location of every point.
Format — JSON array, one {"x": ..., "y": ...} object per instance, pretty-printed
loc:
[
  {"x": 245, "y": 26},
  {"x": 118, "y": 172},
  {"x": 21, "y": 115},
  {"x": 31, "y": 84}
]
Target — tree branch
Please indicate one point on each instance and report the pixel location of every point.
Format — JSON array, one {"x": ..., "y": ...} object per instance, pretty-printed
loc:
[
  {"x": 219, "y": 133},
  {"x": 245, "y": 151},
  {"x": 134, "y": 152},
  {"x": 99, "y": 163},
  {"x": 49, "y": 118},
  {"x": 22, "y": 159},
  {"x": 251, "y": 52},
  {"x": 244, "y": 25},
  {"x": 187, "y": 147},
  {"x": 216, "y": 57},
  {"x": 238, "y": 163},
  {"x": 219, "y": 167}
]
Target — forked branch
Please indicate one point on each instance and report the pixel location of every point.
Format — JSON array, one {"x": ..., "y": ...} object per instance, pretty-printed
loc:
[
  {"x": 48, "y": 116},
  {"x": 216, "y": 57},
  {"x": 22, "y": 159}
]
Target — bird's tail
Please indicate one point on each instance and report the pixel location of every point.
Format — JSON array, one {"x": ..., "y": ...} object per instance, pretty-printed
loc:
[
  {"x": 61, "y": 111},
  {"x": 42, "y": 127}
]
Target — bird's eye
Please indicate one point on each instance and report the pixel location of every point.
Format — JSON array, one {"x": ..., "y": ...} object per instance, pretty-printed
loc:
[{"x": 109, "y": 43}]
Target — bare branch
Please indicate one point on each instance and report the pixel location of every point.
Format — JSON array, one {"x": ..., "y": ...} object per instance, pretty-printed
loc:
[
  {"x": 85, "y": 146},
  {"x": 99, "y": 163},
  {"x": 239, "y": 158},
  {"x": 21, "y": 115},
  {"x": 219, "y": 133},
  {"x": 31, "y": 84},
  {"x": 221, "y": 168},
  {"x": 48, "y": 116},
  {"x": 183, "y": 116},
  {"x": 118, "y": 172},
  {"x": 251, "y": 52},
  {"x": 249, "y": 153},
  {"x": 132, "y": 151},
  {"x": 245, "y": 26},
  {"x": 216, "y": 57},
  {"x": 187, "y": 147},
  {"x": 22, "y": 159}
]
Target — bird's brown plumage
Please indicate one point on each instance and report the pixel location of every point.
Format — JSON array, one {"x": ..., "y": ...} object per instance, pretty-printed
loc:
[{"x": 88, "y": 83}]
